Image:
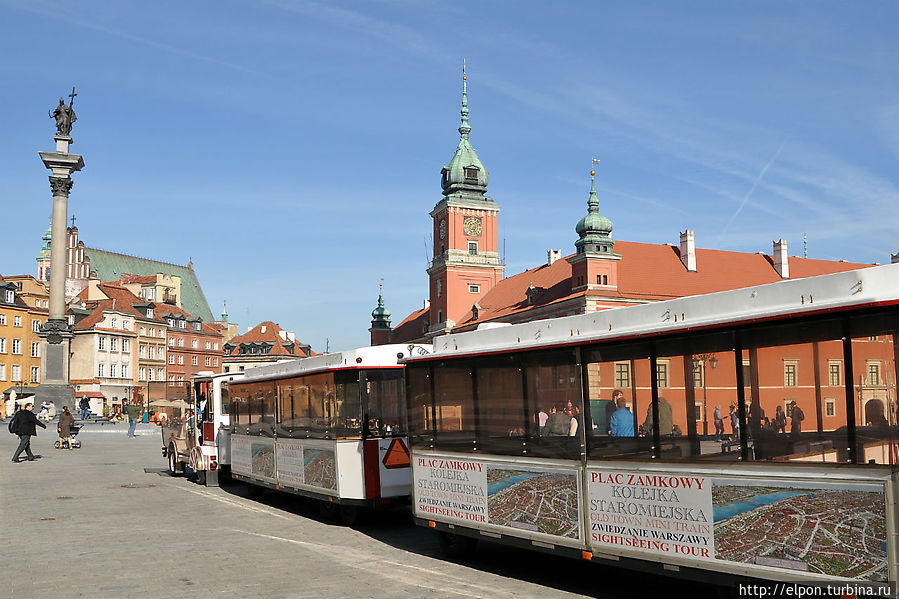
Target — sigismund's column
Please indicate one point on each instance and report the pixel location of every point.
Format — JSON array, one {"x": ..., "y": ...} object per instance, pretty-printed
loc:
[{"x": 57, "y": 333}]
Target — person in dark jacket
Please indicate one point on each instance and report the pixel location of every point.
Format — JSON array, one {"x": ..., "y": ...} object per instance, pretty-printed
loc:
[
  {"x": 66, "y": 422},
  {"x": 26, "y": 421}
]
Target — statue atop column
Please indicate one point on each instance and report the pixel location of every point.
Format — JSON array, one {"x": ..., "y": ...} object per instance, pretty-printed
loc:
[{"x": 65, "y": 115}]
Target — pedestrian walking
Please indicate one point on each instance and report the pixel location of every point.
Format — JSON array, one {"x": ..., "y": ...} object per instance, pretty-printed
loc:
[
  {"x": 719, "y": 424},
  {"x": 734, "y": 422},
  {"x": 796, "y": 418},
  {"x": 133, "y": 411},
  {"x": 85, "y": 406},
  {"x": 23, "y": 424},
  {"x": 64, "y": 428}
]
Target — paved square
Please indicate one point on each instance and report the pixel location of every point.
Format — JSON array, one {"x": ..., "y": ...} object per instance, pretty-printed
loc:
[{"x": 107, "y": 520}]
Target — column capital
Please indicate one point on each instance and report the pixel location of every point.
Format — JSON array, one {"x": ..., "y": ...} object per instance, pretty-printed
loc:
[{"x": 60, "y": 185}]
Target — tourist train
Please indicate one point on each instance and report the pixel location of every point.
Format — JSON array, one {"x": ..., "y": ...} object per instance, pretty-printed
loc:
[{"x": 744, "y": 434}]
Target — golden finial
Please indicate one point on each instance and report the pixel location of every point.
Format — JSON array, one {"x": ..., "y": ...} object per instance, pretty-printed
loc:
[
  {"x": 464, "y": 76},
  {"x": 593, "y": 168}
]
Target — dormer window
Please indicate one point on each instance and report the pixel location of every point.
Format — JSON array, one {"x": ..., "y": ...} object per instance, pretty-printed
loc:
[
  {"x": 180, "y": 324},
  {"x": 149, "y": 312},
  {"x": 471, "y": 173},
  {"x": 10, "y": 297},
  {"x": 171, "y": 322}
]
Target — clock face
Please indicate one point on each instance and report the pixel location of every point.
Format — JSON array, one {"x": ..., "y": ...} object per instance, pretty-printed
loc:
[
  {"x": 472, "y": 226},
  {"x": 442, "y": 229}
]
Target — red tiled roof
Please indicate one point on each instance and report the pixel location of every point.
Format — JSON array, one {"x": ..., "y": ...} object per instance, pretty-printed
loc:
[
  {"x": 271, "y": 334},
  {"x": 94, "y": 317},
  {"x": 646, "y": 272},
  {"x": 411, "y": 328}
]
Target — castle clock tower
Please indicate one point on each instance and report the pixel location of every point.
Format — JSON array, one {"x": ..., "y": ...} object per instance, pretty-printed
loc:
[{"x": 466, "y": 263}]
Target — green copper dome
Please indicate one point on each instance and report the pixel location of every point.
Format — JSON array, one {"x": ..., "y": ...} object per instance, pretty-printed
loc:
[
  {"x": 380, "y": 316},
  {"x": 45, "y": 250},
  {"x": 594, "y": 229},
  {"x": 465, "y": 170}
]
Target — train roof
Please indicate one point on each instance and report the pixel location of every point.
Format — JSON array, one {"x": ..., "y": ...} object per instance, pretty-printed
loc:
[
  {"x": 869, "y": 286},
  {"x": 376, "y": 356}
]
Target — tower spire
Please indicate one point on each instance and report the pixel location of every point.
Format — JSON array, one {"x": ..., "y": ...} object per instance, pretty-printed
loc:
[
  {"x": 593, "y": 201},
  {"x": 464, "y": 128}
]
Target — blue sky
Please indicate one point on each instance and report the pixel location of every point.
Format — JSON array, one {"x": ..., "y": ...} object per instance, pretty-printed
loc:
[{"x": 293, "y": 149}]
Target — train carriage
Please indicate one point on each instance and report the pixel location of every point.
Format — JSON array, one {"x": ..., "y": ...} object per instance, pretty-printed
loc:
[
  {"x": 749, "y": 433},
  {"x": 331, "y": 427}
]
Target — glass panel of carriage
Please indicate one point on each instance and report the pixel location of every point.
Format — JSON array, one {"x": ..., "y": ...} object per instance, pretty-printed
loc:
[
  {"x": 625, "y": 447},
  {"x": 327, "y": 405}
]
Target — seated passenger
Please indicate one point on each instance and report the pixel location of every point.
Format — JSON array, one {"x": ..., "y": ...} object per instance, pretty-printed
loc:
[
  {"x": 622, "y": 421},
  {"x": 559, "y": 423},
  {"x": 666, "y": 420}
]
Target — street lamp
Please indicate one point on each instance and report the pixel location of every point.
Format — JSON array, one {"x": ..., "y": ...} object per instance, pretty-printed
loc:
[{"x": 712, "y": 361}]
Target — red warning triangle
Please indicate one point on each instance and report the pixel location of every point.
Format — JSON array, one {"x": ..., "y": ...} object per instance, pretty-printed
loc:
[{"x": 397, "y": 455}]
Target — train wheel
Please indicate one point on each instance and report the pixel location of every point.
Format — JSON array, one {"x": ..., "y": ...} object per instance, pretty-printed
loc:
[
  {"x": 327, "y": 509},
  {"x": 351, "y": 515},
  {"x": 454, "y": 545},
  {"x": 174, "y": 464}
]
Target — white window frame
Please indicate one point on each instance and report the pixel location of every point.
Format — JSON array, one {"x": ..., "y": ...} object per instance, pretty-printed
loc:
[
  {"x": 17, "y": 347},
  {"x": 35, "y": 374}
]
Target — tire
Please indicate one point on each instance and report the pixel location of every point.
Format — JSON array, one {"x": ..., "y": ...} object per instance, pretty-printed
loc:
[
  {"x": 56, "y": 444},
  {"x": 255, "y": 491},
  {"x": 351, "y": 515},
  {"x": 327, "y": 509},
  {"x": 174, "y": 464},
  {"x": 455, "y": 546},
  {"x": 76, "y": 444}
]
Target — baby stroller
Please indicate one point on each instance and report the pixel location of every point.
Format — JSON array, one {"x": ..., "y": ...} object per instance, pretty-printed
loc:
[{"x": 73, "y": 433}]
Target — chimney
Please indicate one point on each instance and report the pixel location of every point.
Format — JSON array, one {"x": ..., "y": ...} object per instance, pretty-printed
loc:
[
  {"x": 781, "y": 264},
  {"x": 263, "y": 329},
  {"x": 427, "y": 304},
  {"x": 894, "y": 258},
  {"x": 552, "y": 256},
  {"x": 688, "y": 250},
  {"x": 282, "y": 334}
]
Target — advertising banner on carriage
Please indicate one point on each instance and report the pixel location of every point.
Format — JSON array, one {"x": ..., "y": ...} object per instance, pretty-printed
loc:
[
  {"x": 305, "y": 465},
  {"x": 240, "y": 455},
  {"x": 833, "y": 529},
  {"x": 253, "y": 456},
  {"x": 539, "y": 501}
]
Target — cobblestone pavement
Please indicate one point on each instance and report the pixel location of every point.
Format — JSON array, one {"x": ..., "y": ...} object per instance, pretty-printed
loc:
[{"x": 108, "y": 520}]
